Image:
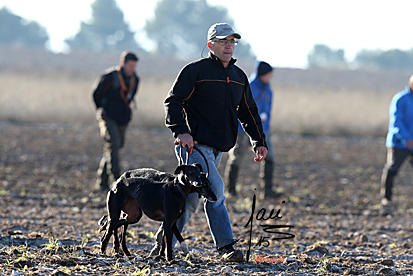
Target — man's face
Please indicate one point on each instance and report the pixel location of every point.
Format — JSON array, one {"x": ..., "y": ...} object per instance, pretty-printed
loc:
[
  {"x": 223, "y": 52},
  {"x": 266, "y": 78},
  {"x": 129, "y": 67}
]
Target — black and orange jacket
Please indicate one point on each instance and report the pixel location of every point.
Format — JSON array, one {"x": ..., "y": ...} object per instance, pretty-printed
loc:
[
  {"x": 107, "y": 94},
  {"x": 206, "y": 100}
]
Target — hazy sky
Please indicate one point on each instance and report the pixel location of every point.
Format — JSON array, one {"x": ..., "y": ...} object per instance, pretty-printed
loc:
[{"x": 281, "y": 32}]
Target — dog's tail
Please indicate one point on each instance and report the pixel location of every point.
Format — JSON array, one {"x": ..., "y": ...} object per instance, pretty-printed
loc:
[{"x": 103, "y": 222}]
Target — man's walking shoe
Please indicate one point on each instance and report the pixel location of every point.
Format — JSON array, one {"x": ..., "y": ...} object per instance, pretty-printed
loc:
[
  {"x": 387, "y": 207},
  {"x": 229, "y": 254}
]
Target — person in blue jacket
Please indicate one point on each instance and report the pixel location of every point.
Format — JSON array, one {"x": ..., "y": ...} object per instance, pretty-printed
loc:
[
  {"x": 399, "y": 142},
  {"x": 262, "y": 93}
]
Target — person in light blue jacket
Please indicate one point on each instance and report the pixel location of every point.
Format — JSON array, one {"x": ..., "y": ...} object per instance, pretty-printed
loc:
[
  {"x": 399, "y": 142},
  {"x": 261, "y": 90}
]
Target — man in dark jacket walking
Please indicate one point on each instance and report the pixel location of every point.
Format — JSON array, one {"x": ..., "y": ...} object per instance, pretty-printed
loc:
[
  {"x": 206, "y": 101},
  {"x": 112, "y": 96}
]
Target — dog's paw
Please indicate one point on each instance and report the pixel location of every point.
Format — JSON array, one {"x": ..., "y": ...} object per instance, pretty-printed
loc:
[
  {"x": 158, "y": 258},
  {"x": 118, "y": 255},
  {"x": 184, "y": 248},
  {"x": 172, "y": 261}
]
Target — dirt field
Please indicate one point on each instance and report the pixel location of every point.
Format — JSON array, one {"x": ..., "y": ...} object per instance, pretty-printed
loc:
[{"x": 50, "y": 211}]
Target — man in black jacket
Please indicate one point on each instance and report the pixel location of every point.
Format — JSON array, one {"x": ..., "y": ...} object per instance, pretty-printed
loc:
[
  {"x": 205, "y": 103},
  {"x": 112, "y": 96}
]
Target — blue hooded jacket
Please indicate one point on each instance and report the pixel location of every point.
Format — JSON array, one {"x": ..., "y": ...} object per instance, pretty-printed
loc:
[
  {"x": 262, "y": 94},
  {"x": 401, "y": 120},
  {"x": 263, "y": 97}
]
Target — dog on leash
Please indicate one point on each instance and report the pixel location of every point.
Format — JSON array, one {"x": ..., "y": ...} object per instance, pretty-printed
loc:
[{"x": 159, "y": 195}]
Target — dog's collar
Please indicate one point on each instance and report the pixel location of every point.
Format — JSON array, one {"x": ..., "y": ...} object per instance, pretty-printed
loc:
[
  {"x": 180, "y": 180},
  {"x": 180, "y": 189}
]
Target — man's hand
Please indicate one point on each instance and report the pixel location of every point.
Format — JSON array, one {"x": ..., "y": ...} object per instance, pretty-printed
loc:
[
  {"x": 185, "y": 139},
  {"x": 261, "y": 153},
  {"x": 409, "y": 144}
]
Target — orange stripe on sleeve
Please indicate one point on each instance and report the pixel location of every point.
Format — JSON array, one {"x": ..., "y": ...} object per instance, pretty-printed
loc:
[{"x": 190, "y": 94}]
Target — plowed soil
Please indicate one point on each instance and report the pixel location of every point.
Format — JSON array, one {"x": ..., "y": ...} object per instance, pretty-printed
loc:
[{"x": 330, "y": 186}]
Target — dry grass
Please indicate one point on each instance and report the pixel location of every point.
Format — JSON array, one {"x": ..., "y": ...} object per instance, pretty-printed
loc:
[
  {"x": 60, "y": 98},
  {"x": 330, "y": 112},
  {"x": 305, "y": 101}
]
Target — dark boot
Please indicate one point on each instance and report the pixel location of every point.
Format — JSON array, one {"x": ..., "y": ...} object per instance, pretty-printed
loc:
[
  {"x": 387, "y": 186},
  {"x": 102, "y": 181},
  {"x": 232, "y": 179},
  {"x": 266, "y": 174},
  {"x": 113, "y": 166}
]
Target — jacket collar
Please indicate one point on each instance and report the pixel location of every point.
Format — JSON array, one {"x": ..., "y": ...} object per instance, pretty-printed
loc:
[
  {"x": 178, "y": 182},
  {"x": 216, "y": 59}
]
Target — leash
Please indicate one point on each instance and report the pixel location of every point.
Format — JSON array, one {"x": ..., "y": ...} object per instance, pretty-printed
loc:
[
  {"x": 203, "y": 156},
  {"x": 181, "y": 160}
]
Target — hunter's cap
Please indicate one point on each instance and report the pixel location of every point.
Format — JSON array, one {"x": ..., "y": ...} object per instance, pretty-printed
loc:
[{"x": 221, "y": 30}]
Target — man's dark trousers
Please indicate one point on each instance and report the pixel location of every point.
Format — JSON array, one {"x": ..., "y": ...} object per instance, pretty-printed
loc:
[
  {"x": 395, "y": 158},
  {"x": 114, "y": 137}
]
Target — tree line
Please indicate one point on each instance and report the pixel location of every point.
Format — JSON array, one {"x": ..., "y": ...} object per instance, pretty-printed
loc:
[
  {"x": 322, "y": 56},
  {"x": 178, "y": 29}
]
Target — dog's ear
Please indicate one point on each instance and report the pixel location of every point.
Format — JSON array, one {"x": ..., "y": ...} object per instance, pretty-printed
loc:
[
  {"x": 179, "y": 169},
  {"x": 199, "y": 166}
]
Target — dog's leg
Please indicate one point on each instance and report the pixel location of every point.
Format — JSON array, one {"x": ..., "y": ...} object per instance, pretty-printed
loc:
[
  {"x": 131, "y": 213},
  {"x": 116, "y": 243},
  {"x": 123, "y": 236},
  {"x": 123, "y": 240},
  {"x": 162, "y": 251},
  {"x": 168, "y": 236},
  {"x": 125, "y": 228},
  {"x": 103, "y": 222},
  {"x": 112, "y": 221},
  {"x": 105, "y": 238},
  {"x": 178, "y": 235}
]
